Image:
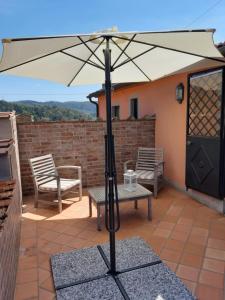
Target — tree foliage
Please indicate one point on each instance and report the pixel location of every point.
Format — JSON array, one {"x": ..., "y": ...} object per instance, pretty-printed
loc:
[{"x": 44, "y": 112}]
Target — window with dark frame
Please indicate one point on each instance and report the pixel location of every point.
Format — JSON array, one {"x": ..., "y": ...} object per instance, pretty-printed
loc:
[
  {"x": 134, "y": 108},
  {"x": 115, "y": 112}
]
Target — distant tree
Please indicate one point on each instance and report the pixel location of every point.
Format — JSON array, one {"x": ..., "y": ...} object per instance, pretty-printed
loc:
[{"x": 44, "y": 112}]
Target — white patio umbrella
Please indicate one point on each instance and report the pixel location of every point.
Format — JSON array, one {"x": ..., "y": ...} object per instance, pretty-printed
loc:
[{"x": 105, "y": 57}]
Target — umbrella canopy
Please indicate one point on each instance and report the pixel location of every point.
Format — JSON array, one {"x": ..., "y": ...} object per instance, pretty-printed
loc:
[
  {"x": 105, "y": 57},
  {"x": 135, "y": 56}
]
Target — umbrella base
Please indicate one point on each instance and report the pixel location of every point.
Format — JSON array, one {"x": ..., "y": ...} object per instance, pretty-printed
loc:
[{"x": 84, "y": 274}]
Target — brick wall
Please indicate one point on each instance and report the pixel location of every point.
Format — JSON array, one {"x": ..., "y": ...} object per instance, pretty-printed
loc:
[
  {"x": 10, "y": 234},
  {"x": 9, "y": 248},
  {"x": 81, "y": 143}
]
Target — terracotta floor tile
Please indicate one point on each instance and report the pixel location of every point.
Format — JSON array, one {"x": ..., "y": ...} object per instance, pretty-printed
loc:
[
  {"x": 47, "y": 284},
  {"x": 171, "y": 265},
  {"x": 211, "y": 279},
  {"x": 192, "y": 260},
  {"x": 28, "y": 233},
  {"x": 46, "y": 295},
  {"x": 157, "y": 243},
  {"x": 202, "y": 223},
  {"x": 190, "y": 285},
  {"x": 215, "y": 253},
  {"x": 217, "y": 234},
  {"x": 46, "y": 224},
  {"x": 45, "y": 264},
  {"x": 42, "y": 256},
  {"x": 74, "y": 231},
  {"x": 60, "y": 227},
  {"x": 171, "y": 219},
  {"x": 175, "y": 245},
  {"x": 162, "y": 233},
  {"x": 166, "y": 225},
  {"x": 185, "y": 221},
  {"x": 186, "y": 272},
  {"x": 41, "y": 243},
  {"x": 188, "y": 212},
  {"x": 26, "y": 291},
  {"x": 217, "y": 226},
  {"x": 77, "y": 243},
  {"x": 43, "y": 275},
  {"x": 197, "y": 239},
  {"x": 28, "y": 242},
  {"x": 194, "y": 249},
  {"x": 170, "y": 255},
  {"x": 27, "y": 275},
  {"x": 214, "y": 265},
  {"x": 204, "y": 292},
  {"x": 182, "y": 228},
  {"x": 40, "y": 231},
  {"x": 179, "y": 235},
  {"x": 199, "y": 231},
  {"x": 27, "y": 262},
  {"x": 50, "y": 235},
  {"x": 63, "y": 239},
  {"x": 87, "y": 234},
  {"x": 51, "y": 248},
  {"x": 216, "y": 243},
  {"x": 174, "y": 211}
]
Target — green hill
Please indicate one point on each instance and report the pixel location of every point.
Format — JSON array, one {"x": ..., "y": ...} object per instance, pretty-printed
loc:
[
  {"x": 82, "y": 106},
  {"x": 43, "y": 111}
]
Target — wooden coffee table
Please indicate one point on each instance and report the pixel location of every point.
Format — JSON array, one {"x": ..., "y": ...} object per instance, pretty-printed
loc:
[{"x": 97, "y": 197}]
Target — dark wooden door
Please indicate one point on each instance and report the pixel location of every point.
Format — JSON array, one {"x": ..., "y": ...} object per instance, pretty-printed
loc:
[{"x": 204, "y": 167}]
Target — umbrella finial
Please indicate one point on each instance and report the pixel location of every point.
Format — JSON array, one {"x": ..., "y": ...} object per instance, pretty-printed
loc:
[
  {"x": 114, "y": 29},
  {"x": 108, "y": 30},
  {"x": 6, "y": 41}
]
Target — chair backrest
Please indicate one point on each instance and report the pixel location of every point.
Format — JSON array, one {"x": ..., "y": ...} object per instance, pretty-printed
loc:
[
  {"x": 148, "y": 157},
  {"x": 42, "y": 164}
]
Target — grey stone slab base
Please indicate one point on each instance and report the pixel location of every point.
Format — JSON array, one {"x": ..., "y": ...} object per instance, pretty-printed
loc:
[
  {"x": 131, "y": 253},
  {"x": 154, "y": 282},
  {"x": 79, "y": 265},
  {"x": 75, "y": 273},
  {"x": 104, "y": 288}
]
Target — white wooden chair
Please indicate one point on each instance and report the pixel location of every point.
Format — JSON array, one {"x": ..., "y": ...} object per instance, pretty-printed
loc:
[
  {"x": 149, "y": 167},
  {"x": 46, "y": 178}
]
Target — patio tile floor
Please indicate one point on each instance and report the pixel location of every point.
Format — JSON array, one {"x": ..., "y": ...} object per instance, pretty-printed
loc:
[{"x": 188, "y": 236}]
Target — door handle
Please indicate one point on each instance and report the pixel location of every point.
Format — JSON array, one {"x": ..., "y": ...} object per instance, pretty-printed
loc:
[{"x": 189, "y": 143}]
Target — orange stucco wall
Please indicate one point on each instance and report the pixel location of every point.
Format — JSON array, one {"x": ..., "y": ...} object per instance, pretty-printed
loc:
[{"x": 159, "y": 98}]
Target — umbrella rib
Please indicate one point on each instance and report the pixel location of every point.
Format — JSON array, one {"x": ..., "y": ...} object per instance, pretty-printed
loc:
[
  {"x": 93, "y": 53},
  {"x": 88, "y": 60},
  {"x": 131, "y": 59},
  {"x": 80, "y": 59},
  {"x": 172, "y": 49},
  {"x": 45, "y": 55},
  {"x": 123, "y": 50}
]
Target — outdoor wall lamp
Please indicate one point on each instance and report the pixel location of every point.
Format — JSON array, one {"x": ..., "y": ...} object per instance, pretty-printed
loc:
[{"x": 180, "y": 93}]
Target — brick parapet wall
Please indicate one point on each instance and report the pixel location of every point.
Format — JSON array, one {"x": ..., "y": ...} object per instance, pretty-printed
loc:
[{"x": 81, "y": 143}]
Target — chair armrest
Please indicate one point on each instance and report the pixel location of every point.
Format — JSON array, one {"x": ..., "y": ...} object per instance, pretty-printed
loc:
[
  {"x": 156, "y": 168},
  {"x": 71, "y": 167},
  {"x": 160, "y": 163},
  {"x": 126, "y": 163},
  {"x": 46, "y": 175}
]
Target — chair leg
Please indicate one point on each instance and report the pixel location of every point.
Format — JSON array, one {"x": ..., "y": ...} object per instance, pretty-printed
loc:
[
  {"x": 36, "y": 199},
  {"x": 60, "y": 201},
  {"x": 80, "y": 191},
  {"x": 155, "y": 192}
]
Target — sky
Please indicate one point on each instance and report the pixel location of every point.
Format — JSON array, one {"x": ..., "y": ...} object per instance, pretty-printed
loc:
[{"x": 25, "y": 18}]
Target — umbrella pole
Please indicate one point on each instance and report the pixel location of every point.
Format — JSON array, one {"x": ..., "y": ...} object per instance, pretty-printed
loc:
[{"x": 110, "y": 184}]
